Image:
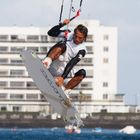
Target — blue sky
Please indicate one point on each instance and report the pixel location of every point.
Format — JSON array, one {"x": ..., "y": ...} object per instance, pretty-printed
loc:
[{"x": 123, "y": 14}]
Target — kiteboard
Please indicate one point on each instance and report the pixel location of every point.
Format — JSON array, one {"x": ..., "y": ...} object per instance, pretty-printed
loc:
[{"x": 55, "y": 95}]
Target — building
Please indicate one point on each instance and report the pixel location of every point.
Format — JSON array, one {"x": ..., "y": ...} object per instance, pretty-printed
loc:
[{"x": 97, "y": 92}]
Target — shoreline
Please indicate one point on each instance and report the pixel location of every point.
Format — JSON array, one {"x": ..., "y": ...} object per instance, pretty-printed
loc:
[{"x": 34, "y": 120}]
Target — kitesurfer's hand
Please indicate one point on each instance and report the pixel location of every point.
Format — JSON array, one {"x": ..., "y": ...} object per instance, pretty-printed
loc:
[
  {"x": 66, "y": 21},
  {"x": 59, "y": 81}
]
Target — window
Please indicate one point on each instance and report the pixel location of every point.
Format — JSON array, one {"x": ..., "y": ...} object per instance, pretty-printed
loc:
[
  {"x": 89, "y": 49},
  {"x": 17, "y": 84},
  {"x": 89, "y": 38},
  {"x": 30, "y": 85},
  {"x": 16, "y": 61},
  {"x": 3, "y": 96},
  {"x": 84, "y": 97},
  {"x": 3, "y": 72},
  {"x": 105, "y": 60},
  {"x": 3, "y": 37},
  {"x": 105, "y": 84},
  {"x": 106, "y": 37},
  {"x": 17, "y": 49},
  {"x": 16, "y": 96},
  {"x": 106, "y": 49},
  {"x": 32, "y": 96},
  {"x": 3, "y": 60},
  {"x": 119, "y": 97},
  {"x": 44, "y": 38},
  {"x": 86, "y": 85},
  {"x": 14, "y": 37},
  {"x": 3, "y": 108},
  {"x": 42, "y": 97},
  {"x": 43, "y": 49},
  {"x": 3, "y": 49},
  {"x": 86, "y": 61},
  {"x": 16, "y": 72},
  {"x": 32, "y": 48},
  {"x": 21, "y": 38},
  {"x": 3, "y": 84},
  {"x": 16, "y": 108},
  {"x": 54, "y": 39},
  {"x": 105, "y": 96},
  {"x": 74, "y": 97},
  {"x": 33, "y": 38},
  {"x": 89, "y": 73}
]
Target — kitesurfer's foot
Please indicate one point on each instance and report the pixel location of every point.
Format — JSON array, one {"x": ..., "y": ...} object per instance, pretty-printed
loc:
[
  {"x": 67, "y": 91},
  {"x": 68, "y": 102},
  {"x": 47, "y": 62}
]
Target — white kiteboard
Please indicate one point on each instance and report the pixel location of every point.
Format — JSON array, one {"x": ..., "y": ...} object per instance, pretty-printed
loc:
[{"x": 46, "y": 84}]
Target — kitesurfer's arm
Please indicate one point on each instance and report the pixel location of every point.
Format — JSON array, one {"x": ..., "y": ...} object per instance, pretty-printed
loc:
[
  {"x": 73, "y": 62},
  {"x": 55, "y": 31}
]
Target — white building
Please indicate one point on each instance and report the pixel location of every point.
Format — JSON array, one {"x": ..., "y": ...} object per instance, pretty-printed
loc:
[{"x": 97, "y": 92}]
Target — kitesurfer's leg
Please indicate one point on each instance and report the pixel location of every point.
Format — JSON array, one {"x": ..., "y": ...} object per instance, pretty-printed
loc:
[
  {"x": 54, "y": 53},
  {"x": 78, "y": 77}
]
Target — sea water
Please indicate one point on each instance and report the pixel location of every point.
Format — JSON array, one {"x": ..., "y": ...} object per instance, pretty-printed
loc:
[{"x": 61, "y": 134}]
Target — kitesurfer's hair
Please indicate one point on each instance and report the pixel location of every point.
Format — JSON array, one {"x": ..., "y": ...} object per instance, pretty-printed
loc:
[{"x": 82, "y": 29}]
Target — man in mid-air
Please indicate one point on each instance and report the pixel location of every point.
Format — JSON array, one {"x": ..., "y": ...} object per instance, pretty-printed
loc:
[{"x": 63, "y": 56}]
